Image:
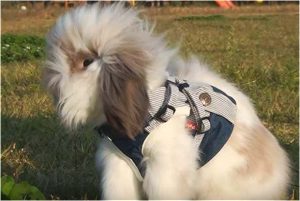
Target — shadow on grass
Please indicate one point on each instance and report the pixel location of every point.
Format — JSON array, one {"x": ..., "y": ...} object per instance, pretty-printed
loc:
[
  {"x": 293, "y": 153},
  {"x": 61, "y": 164}
]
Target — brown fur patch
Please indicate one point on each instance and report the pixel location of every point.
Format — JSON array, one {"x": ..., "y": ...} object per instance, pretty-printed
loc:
[
  {"x": 124, "y": 92},
  {"x": 126, "y": 107},
  {"x": 76, "y": 58},
  {"x": 260, "y": 150}
]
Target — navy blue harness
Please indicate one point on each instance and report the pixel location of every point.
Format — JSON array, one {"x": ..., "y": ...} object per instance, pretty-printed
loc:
[{"x": 212, "y": 142}]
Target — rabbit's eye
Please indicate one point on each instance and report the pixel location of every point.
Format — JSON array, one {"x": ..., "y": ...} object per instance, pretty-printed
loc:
[{"x": 87, "y": 62}]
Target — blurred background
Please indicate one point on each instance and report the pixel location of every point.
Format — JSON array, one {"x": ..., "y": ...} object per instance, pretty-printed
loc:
[{"x": 254, "y": 44}]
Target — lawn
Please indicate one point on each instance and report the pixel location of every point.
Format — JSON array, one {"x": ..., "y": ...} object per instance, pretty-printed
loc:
[{"x": 256, "y": 47}]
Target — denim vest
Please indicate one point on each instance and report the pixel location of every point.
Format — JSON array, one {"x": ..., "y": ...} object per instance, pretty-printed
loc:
[{"x": 212, "y": 116}]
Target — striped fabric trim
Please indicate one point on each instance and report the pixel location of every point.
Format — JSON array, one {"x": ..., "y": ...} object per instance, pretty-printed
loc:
[{"x": 220, "y": 104}]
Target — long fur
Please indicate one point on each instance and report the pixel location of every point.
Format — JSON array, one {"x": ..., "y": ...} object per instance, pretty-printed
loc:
[{"x": 129, "y": 60}]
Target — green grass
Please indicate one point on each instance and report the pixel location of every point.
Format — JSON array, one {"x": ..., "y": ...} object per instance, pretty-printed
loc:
[
  {"x": 38, "y": 149},
  {"x": 259, "y": 53},
  {"x": 206, "y": 18},
  {"x": 21, "y": 48}
]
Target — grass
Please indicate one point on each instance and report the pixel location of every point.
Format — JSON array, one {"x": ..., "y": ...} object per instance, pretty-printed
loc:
[
  {"x": 257, "y": 52},
  {"x": 206, "y": 18},
  {"x": 35, "y": 147},
  {"x": 21, "y": 47}
]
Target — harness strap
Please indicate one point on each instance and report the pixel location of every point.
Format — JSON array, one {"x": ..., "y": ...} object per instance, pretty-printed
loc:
[
  {"x": 212, "y": 110},
  {"x": 195, "y": 113},
  {"x": 128, "y": 160},
  {"x": 163, "y": 108}
]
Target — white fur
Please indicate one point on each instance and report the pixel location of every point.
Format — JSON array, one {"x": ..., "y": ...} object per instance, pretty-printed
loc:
[
  {"x": 169, "y": 152},
  {"x": 163, "y": 151},
  {"x": 118, "y": 180}
]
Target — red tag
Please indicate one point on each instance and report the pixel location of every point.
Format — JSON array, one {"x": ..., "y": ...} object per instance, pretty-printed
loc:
[{"x": 191, "y": 125}]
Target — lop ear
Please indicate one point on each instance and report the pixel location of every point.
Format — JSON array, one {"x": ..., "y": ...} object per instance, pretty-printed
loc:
[{"x": 124, "y": 92}]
